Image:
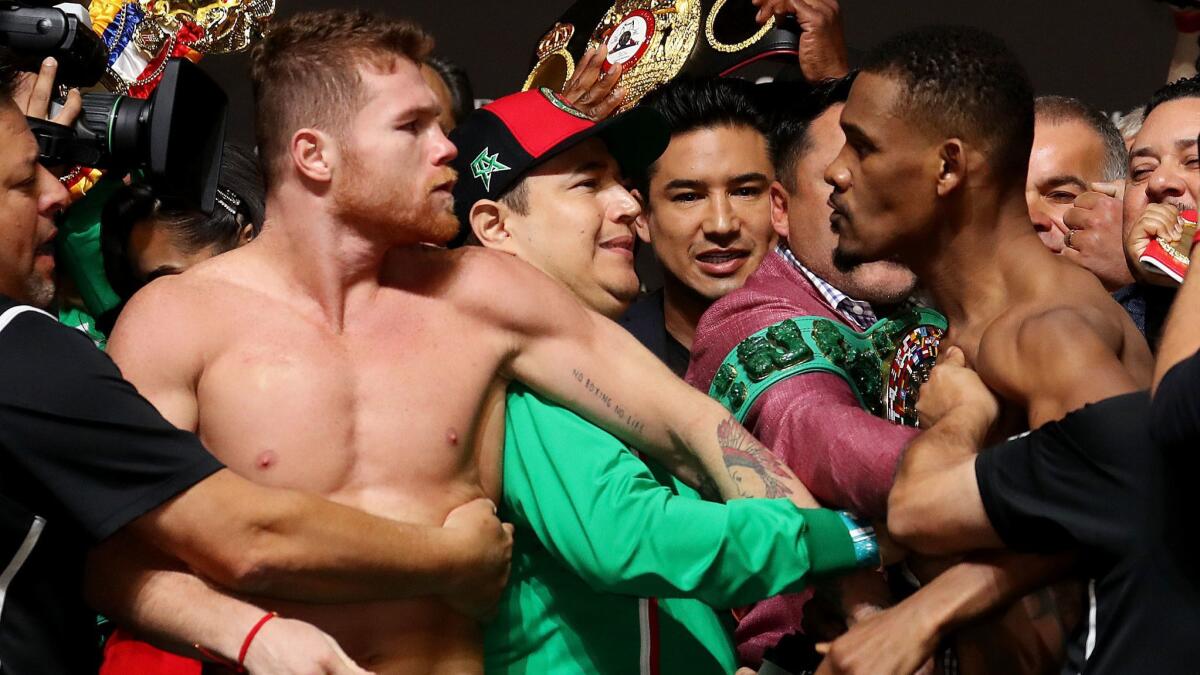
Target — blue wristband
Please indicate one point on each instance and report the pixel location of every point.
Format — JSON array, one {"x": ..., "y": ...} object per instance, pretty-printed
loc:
[{"x": 862, "y": 535}]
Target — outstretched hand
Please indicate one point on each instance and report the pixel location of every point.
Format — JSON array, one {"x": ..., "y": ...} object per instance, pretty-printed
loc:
[
  {"x": 822, "y": 45},
  {"x": 592, "y": 89}
]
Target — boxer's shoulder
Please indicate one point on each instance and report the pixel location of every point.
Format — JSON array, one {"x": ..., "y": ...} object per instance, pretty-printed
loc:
[{"x": 1033, "y": 343}]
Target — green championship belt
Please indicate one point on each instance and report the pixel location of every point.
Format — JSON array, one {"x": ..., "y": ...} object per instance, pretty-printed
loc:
[{"x": 884, "y": 366}]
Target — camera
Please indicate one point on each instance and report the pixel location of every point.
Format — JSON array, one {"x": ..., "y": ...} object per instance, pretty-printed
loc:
[{"x": 173, "y": 138}]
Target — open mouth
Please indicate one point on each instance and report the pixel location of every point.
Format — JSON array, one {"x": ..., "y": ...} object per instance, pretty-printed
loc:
[{"x": 722, "y": 262}]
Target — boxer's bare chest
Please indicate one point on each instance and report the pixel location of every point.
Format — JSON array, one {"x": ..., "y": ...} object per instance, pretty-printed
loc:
[{"x": 379, "y": 415}]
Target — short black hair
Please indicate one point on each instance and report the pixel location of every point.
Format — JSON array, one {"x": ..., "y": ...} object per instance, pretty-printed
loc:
[
  {"x": 1059, "y": 109},
  {"x": 1187, "y": 87},
  {"x": 462, "y": 96},
  {"x": 963, "y": 82},
  {"x": 240, "y": 202},
  {"x": 689, "y": 104},
  {"x": 791, "y": 112}
]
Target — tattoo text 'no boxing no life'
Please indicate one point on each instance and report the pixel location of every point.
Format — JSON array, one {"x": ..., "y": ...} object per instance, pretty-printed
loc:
[{"x": 622, "y": 414}]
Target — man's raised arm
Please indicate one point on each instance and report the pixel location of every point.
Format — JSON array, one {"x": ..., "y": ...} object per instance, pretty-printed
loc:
[{"x": 587, "y": 363}]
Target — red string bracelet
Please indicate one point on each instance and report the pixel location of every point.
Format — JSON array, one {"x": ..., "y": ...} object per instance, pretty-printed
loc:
[{"x": 250, "y": 638}]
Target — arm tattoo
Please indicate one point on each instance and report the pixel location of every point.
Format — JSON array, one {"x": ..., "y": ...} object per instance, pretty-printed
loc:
[
  {"x": 625, "y": 416},
  {"x": 746, "y": 460}
]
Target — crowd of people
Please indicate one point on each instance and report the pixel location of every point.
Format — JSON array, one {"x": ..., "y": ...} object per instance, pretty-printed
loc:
[{"x": 401, "y": 404}]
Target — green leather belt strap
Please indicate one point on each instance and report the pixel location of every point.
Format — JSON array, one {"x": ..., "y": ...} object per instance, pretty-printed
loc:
[{"x": 807, "y": 344}]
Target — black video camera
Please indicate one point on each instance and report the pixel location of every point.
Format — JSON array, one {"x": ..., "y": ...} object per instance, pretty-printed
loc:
[{"x": 174, "y": 137}]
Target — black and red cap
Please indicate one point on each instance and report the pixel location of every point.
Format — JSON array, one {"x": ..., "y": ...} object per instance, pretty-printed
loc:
[{"x": 500, "y": 142}]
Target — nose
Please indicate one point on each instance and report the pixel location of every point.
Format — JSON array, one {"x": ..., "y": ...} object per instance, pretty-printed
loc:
[
  {"x": 722, "y": 218},
  {"x": 837, "y": 174},
  {"x": 52, "y": 196},
  {"x": 1042, "y": 220},
  {"x": 444, "y": 150},
  {"x": 1165, "y": 184},
  {"x": 625, "y": 207}
]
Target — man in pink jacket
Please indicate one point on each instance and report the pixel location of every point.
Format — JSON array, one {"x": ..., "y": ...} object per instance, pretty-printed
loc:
[{"x": 846, "y": 455}]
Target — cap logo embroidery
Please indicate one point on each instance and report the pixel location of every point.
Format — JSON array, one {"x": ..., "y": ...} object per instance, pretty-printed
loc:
[{"x": 484, "y": 165}]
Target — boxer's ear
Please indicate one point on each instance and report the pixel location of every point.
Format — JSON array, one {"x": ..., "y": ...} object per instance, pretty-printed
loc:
[
  {"x": 313, "y": 154},
  {"x": 952, "y": 166},
  {"x": 490, "y": 225},
  {"x": 779, "y": 209}
]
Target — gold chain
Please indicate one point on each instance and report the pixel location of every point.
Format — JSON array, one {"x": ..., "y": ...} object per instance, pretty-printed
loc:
[{"x": 716, "y": 44}]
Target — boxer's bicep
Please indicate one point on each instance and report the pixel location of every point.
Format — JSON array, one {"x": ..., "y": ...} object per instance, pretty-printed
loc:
[{"x": 157, "y": 354}]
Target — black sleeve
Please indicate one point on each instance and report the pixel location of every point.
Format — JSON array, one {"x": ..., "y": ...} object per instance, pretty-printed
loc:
[
  {"x": 70, "y": 420},
  {"x": 1175, "y": 413},
  {"x": 1071, "y": 484}
]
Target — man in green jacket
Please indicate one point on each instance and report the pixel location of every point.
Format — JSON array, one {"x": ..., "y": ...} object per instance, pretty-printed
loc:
[{"x": 617, "y": 566}]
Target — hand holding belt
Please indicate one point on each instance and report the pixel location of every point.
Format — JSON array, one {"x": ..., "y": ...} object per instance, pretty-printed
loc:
[{"x": 656, "y": 40}]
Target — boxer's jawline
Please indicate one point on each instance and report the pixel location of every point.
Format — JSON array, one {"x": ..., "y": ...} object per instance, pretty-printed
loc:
[{"x": 741, "y": 451}]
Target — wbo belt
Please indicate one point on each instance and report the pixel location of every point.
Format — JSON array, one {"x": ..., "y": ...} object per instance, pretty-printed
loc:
[
  {"x": 884, "y": 365},
  {"x": 656, "y": 40}
]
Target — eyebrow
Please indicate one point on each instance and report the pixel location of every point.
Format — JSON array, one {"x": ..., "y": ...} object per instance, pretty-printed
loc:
[
  {"x": 753, "y": 176},
  {"x": 852, "y": 129},
  {"x": 685, "y": 184},
  {"x": 1180, "y": 145},
  {"x": 693, "y": 184},
  {"x": 431, "y": 110},
  {"x": 589, "y": 166},
  {"x": 1057, "y": 181}
]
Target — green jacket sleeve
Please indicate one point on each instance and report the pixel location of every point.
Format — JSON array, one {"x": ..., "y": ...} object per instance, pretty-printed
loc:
[{"x": 597, "y": 508}]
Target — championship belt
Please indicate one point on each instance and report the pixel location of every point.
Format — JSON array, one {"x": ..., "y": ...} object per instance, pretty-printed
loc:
[
  {"x": 656, "y": 40},
  {"x": 884, "y": 366},
  {"x": 1172, "y": 257}
]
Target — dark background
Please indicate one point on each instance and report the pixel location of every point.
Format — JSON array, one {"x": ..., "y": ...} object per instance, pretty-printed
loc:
[{"x": 1111, "y": 53}]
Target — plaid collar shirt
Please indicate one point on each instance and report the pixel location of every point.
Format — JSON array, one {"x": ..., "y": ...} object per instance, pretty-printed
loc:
[{"x": 858, "y": 312}]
